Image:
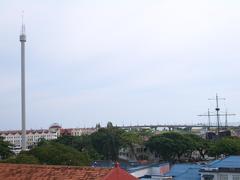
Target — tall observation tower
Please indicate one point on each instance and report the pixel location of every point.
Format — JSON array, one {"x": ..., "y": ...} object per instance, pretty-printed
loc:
[{"x": 23, "y": 40}]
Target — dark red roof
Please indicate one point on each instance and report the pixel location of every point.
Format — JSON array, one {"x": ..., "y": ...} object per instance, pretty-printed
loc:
[
  {"x": 40, "y": 172},
  {"x": 119, "y": 174},
  {"x": 66, "y": 132}
]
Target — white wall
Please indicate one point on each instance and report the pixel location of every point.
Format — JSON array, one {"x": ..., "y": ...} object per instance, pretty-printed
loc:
[{"x": 217, "y": 175}]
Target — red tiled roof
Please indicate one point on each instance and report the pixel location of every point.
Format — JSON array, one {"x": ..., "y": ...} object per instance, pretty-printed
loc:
[
  {"x": 65, "y": 131},
  {"x": 119, "y": 174},
  {"x": 43, "y": 172},
  {"x": 48, "y": 172}
]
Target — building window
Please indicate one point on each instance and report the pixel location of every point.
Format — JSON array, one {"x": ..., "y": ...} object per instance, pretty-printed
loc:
[
  {"x": 208, "y": 177},
  {"x": 236, "y": 177},
  {"x": 223, "y": 177}
]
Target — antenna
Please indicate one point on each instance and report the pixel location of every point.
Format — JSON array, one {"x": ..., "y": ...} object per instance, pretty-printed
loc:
[
  {"x": 226, "y": 120},
  {"x": 226, "y": 114},
  {"x": 22, "y": 16},
  {"x": 23, "y": 25},
  {"x": 226, "y": 117},
  {"x": 217, "y": 110},
  {"x": 209, "y": 118}
]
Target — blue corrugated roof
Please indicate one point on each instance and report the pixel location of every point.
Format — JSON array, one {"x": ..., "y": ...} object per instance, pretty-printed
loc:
[
  {"x": 229, "y": 162},
  {"x": 185, "y": 171},
  {"x": 191, "y": 173},
  {"x": 178, "y": 169}
]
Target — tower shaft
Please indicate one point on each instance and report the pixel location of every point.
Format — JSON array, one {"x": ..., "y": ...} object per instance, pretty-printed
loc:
[{"x": 23, "y": 102}]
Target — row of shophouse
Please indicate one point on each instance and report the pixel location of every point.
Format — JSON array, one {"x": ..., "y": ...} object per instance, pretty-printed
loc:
[{"x": 33, "y": 136}]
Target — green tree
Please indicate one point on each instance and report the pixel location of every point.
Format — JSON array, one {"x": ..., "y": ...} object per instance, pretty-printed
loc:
[
  {"x": 59, "y": 154},
  {"x": 5, "y": 149},
  {"x": 161, "y": 146},
  {"x": 81, "y": 143},
  {"x": 198, "y": 144},
  {"x": 226, "y": 146},
  {"x": 98, "y": 126},
  {"x": 181, "y": 145},
  {"x": 109, "y": 125},
  {"x": 130, "y": 139},
  {"x": 107, "y": 142},
  {"x": 170, "y": 145},
  {"x": 23, "y": 158},
  {"x": 145, "y": 133}
]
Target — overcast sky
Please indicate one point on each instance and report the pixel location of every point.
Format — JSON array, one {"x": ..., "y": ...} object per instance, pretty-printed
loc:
[{"x": 125, "y": 61}]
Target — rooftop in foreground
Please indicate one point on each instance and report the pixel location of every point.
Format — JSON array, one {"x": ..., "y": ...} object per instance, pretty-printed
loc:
[{"x": 50, "y": 172}]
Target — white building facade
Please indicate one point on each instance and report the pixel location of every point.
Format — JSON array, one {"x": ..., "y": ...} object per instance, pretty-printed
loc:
[
  {"x": 82, "y": 131},
  {"x": 34, "y": 136},
  {"x": 211, "y": 175}
]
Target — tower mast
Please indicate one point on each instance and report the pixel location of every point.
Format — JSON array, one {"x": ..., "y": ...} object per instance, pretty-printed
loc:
[
  {"x": 217, "y": 111},
  {"x": 23, "y": 104}
]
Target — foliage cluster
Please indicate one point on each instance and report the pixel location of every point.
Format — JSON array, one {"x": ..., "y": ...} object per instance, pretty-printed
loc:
[
  {"x": 173, "y": 146},
  {"x": 226, "y": 146},
  {"x": 105, "y": 144},
  {"x": 5, "y": 151},
  {"x": 49, "y": 152}
]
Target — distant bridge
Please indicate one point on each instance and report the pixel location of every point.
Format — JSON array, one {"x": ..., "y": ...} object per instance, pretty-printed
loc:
[{"x": 174, "y": 126}]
